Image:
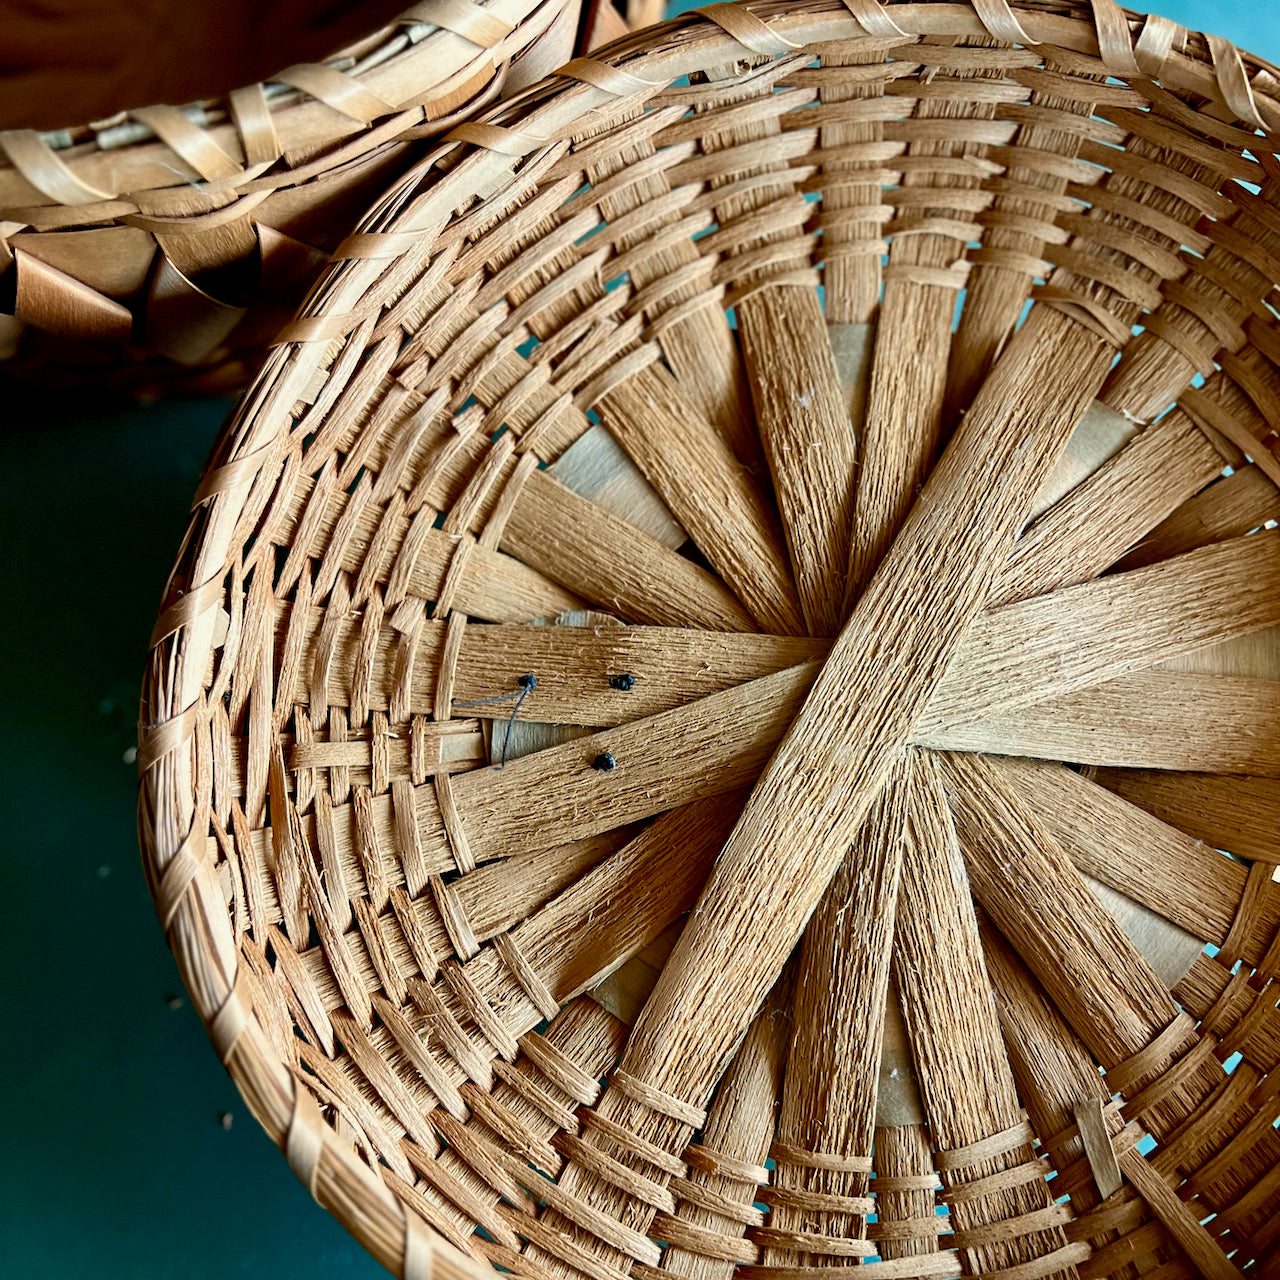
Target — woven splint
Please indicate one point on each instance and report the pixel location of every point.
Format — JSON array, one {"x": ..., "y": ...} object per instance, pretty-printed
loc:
[
  {"x": 719, "y": 714},
  {"x": 164, "y": 246}
]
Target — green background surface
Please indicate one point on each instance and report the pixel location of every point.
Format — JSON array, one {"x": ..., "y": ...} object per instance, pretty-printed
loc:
[{"x": 114, "y": 1159}]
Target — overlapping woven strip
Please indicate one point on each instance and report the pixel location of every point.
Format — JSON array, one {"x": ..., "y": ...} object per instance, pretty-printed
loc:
[
  {"x": 191, "y": 234},
  {"x": 718, "y": 714}
]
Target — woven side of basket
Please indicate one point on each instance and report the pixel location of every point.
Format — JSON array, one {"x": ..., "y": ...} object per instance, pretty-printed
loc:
[
  {"x": 193, "y": 233},
  {"x": 837, "y": 958}
]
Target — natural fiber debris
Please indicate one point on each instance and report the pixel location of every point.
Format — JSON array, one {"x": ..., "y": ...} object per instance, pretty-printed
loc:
[{"x": 719, "y": 714}]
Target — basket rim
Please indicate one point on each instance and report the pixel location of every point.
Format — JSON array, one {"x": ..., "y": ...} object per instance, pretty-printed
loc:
[
  {"x": 472, "y": 174},
  {"x": 419, "y": 62}
]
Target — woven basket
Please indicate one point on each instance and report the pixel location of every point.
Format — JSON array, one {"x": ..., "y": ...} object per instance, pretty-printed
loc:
[
  {"x": 164, "y": 246},
  {"x": 973, "y": 735}
]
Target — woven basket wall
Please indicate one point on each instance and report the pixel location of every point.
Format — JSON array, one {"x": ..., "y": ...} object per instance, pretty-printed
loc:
[
  {"x": 719, "y": 714},
  {"x": 164, "y": 246}
]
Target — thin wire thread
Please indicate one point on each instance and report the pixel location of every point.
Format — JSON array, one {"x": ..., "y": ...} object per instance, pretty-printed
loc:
[{"x": 528, "y": 683}]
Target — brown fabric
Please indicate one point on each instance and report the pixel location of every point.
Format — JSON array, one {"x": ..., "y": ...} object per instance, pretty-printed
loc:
[{"x": 64, "y": 62}]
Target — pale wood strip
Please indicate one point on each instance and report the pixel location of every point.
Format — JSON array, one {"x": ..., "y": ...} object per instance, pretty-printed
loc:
[
  {"x": 685, "y": 837},
  {"x": 1015, "y": 229},
  {"x": 898, "y": 1104},
  {"x": 695, "y": 472},
  {"x": 573, "y": 663},
  {"x": 699, "y": 344},
  {"x": 627, "y": 900},
  {"x": 800, "y": 416},
  {"x": 852, "y": 348},
  {"x": 1240, "y": 815},
  {"x": 1229, "y": 507},
  {"x": 808, "y": 441},
  {"x": 952, "y": 1024},
  {"x": 494, "y": 586},
  {"x": 1168, "y": 948},
  {"x": 1094, "y": 632},
  {"x": 1167, "y": 870},
  {"x": 1055, "y": 1074},
  {"x": 1099, "y": 520},
  {"x": 903, "y": 425},
  {"x": 612, "y": 563},
  {"x": 829, "y": 1104},
  {"x": 904, "y": 1151},
  {"x": 670, "y": 668},
  {"x": 1041, "y": 904},
  {"x": 492, "y": 898},
  {"x": 626, "y": 989},
  {"x": 1146, "y": 720},
  {"x": 713, "y": 746},
  {"x": 1182, "y": 1222},
  {"x": 740, "y": 1126}
]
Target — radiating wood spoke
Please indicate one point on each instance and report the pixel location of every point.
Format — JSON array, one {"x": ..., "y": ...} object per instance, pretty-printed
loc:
[
  {"x": 613, "y": 564},
  {"x": 1147, "y": 720},
  {"x": 955, "y": 1036},
  {"x": 707, "y": 1236},
  {"x": 827, "y": 1120},
  {"x": 1087, "y": 635},
  {"x": 1173, "y": 873},
  {"x": 803, "y": 425},
  {"x": 1238, "y": 814},
  {"x": 1101, "y": 982},
  {"x": 1060, "y": 1082}
]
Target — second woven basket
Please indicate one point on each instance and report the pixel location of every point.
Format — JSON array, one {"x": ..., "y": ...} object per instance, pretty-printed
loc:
[
  {"x": 719, "y": 715},
  {"x": 161, "y": 247}
]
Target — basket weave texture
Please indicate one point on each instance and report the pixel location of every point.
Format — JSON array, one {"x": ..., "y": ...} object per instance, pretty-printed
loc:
[
  {"x": 725, "y": 671},
  {"x": 189, "y": 235}
]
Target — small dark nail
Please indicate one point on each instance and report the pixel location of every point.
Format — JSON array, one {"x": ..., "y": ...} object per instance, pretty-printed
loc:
[
  {"x": 528, "y": 681},
  {"x": 626, "y": 682},
  {"x": 605, "y": 762}
]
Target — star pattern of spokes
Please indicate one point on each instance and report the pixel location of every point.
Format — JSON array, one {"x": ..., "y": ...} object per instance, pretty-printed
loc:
[
  {"x": 880, "y": 1063},
  {"x": 785, "y": 828}
]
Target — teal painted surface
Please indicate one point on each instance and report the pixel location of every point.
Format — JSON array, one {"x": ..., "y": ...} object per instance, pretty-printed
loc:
[
  {"x": 114, "y": 1162},
  {"x": 1251, "y": 25}
]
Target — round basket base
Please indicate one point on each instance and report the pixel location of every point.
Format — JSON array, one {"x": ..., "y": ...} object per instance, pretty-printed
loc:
[{"x": 718, "y": 712}]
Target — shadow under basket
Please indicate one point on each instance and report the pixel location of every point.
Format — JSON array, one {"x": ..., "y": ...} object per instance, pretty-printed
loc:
[
  {"x": 719, "y": 714},
  {"x": 162, "y": 247}
]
